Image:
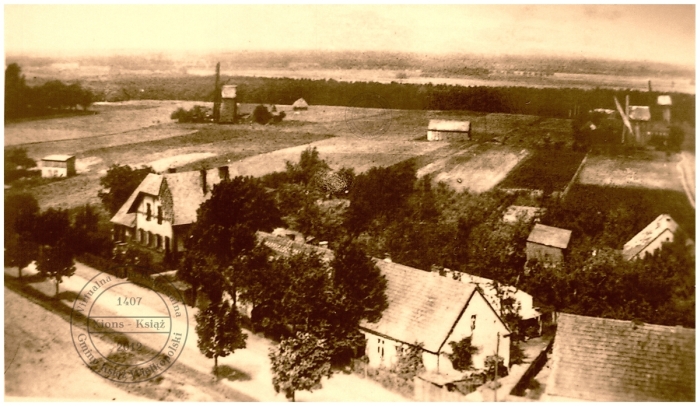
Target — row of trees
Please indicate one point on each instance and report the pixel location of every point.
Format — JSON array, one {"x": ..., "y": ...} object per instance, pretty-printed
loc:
[
  {"x": 18, "y": 164},
  {"x": 50, "y": 237},
  {"x": 424, "y": 225},
  {"x": 548, "y": 102},
  {"x": 22, "y": 100}
]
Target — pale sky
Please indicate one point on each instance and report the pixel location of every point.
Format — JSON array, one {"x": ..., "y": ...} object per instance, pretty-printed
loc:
[{"x": 632, "y": 32}]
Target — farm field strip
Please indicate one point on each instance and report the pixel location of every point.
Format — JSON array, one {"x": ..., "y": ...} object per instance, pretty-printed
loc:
[
  {"x": 482, "y": 172},
  {"x": 109, "y": 120},
  {"x": 625, "y": 172}
]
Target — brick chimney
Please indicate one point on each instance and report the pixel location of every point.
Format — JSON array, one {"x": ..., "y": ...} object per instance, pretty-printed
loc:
[
  {"x": 223, "y": 172},
  {"x": 203, "y": 177}
]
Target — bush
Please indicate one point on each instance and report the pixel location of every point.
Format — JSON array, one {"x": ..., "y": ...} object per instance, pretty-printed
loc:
[
  {"x": 261, "y": 115},
  {"x": 197, "y": 114}
]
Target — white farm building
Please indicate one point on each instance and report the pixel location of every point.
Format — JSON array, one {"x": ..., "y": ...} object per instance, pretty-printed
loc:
[{"x": 440, "y": 130}]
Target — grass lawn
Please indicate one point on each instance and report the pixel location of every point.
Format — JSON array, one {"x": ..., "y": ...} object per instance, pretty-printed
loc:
[
  {"x": 649, "y": 202},
  {"x": 543, "y": 169}
]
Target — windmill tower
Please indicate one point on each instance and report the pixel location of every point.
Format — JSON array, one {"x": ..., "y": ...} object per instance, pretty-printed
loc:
[
  {"x": 664, "y": 101},
  {"x": 627, "y": 131}
]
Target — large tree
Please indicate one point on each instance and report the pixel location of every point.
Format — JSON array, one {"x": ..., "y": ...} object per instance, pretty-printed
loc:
[
  {"x": 299, "y": 363},
  {"x": 119, "y": 183},
  {"x": 20, "y": 251},
  {"x": 56, "y": 262},
  {"x": 219, "y": 331}
]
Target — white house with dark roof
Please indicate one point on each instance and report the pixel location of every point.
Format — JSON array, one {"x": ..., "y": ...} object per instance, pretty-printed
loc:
[
  {"x": 662, "y": 230},
  {"x": 425, "y": 308},
  {"x": 595, "y": 359},
  {"x": 159, "y": 213},
  {"x": 57, "y": 166},
  {"x": 547, "y": 244},
  {"x": 439, "y": 130}
]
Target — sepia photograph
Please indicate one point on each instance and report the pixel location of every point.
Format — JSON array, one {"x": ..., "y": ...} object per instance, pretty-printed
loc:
[{"x": 349, "y": 203}]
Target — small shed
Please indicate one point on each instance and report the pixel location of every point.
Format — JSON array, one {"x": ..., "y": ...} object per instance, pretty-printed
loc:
[
  {"x": 300, "y": 104},
  {"x": 439, "y": 130},
  {"x": 229, "y": 107},
  {"x": 58, "y": 166},
  {"x": 547, "y": 244}
]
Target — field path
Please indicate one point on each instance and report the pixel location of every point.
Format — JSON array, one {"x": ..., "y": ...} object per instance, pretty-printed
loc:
[{"x": 686, "y": 167}]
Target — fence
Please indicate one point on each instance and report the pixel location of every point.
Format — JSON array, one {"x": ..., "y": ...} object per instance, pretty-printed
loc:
[{"x": 532, "y": 371}]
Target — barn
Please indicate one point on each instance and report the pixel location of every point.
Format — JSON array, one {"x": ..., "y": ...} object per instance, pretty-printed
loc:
[
  {"x": 58, "y": 166},
  {"x": 440, "y": 130},
  {"x": 229, "y": 108}
]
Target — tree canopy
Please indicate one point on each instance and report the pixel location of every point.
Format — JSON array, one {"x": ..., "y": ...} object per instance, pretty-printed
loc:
[{"x": 119, "y": 183}]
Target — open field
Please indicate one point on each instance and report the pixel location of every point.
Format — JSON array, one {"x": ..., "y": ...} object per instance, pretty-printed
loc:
[
  {"x": 648, "y": 170},
  {"x": 112, "y": 118},
  {"x": 252, "y": 149}
]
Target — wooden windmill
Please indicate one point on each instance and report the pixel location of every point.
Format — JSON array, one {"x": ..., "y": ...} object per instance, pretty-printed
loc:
[{"x": 626, "y": 124}]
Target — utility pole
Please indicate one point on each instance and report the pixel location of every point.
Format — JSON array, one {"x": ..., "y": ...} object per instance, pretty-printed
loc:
[
  {"x": 495, "y": 370},
  {"x": 217, "y": 95}
]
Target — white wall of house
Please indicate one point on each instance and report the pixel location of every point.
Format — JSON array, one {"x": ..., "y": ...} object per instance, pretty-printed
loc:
[
  {"x": 486, "y": 326},
  {"x": 164, "y": 229},
  {"x": 384, "y": 352},
  {"x": 666, "y": 236}
]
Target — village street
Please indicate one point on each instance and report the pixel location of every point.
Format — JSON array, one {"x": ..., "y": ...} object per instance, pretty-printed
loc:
[{"x": 252, "y": 363}]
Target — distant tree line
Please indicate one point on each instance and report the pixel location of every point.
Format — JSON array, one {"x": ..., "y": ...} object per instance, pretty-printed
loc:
[
  {"x": 548, "y": 102},
  {"x": 428, "y": 64},
  {"x": 22, "y": 100}
]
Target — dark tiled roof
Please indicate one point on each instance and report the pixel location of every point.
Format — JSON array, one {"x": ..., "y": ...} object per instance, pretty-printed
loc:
[
  {"x": 423, "y": 306},
  {"x": 551, "y": 236},
  {"x": 613, "y": 360}
]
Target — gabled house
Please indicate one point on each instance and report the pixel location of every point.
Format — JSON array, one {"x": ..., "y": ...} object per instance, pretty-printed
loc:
[
  {"x": 424, "y": 307},
  {"x": 547, "y": 244},
  {"x": 159, "y": 213},
  {"x": 662, "y": 229},
  {"x": 595, "y": 359}
]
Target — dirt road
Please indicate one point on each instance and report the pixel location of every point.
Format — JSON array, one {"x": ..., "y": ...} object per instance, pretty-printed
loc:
[{"x": 248, "y": 369}]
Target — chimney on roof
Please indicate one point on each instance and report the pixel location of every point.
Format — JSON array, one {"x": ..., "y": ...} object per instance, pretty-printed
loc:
[
  {"x": 172, "y": 170},
  {"x": 203, "y": 176},
  {"x": 223, "y": 172}
]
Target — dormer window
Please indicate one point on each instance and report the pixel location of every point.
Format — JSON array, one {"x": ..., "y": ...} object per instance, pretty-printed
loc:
[
  {"x": 160, "y": 215},
  {"x": 148, "y": 212}
]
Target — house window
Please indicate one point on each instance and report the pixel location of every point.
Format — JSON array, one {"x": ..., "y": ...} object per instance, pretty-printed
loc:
[
  {"x": 148, "y": 212},
  {"x": 159, "y": 241},
  {"x": 142, "y": 236},
  {"x": 473, "y": 321},
  {"x": 167, "y": 243},
  {"x": 149, "y": 241},
  {"x": 160, "y": 215}
]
